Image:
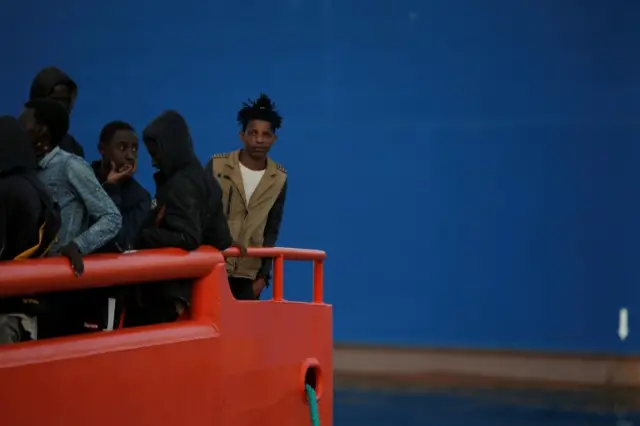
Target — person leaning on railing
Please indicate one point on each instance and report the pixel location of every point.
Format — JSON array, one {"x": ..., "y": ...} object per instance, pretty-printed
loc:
[
  {"x": 89, "y": 218},
  {"x": 29, "y": 224},
  {"x": 254, "y": 189},
  {"x": 118, "y": 144},
  {"x": 178, "y": 214}
]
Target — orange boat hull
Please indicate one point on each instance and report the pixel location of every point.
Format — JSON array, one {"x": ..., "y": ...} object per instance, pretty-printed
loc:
[{"x": 235, "y": 363}]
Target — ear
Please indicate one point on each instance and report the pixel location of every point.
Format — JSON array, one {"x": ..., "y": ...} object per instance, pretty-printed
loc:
[
  {"x": 275, "y": 138},
  {"x": 100, "y": 148},
  {"x": 241, "y": 136}
]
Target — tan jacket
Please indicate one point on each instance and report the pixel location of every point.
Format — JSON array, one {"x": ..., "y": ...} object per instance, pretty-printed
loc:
[{"x": 258, "y": 223}]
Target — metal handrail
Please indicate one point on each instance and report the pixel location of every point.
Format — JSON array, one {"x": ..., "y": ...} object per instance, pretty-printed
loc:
[{"x": 279, "y": 255}]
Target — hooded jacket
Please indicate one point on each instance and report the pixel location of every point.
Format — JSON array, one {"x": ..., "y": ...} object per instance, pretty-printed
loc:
[
  {"x": 179, "y": 210},
  {"x": 42, "y": 87},
  {"x": 25, "y": 203},
  {"x": 29, "y": 219}
]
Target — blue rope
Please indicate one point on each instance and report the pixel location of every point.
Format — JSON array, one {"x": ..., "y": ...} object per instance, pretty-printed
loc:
[{"x": 313, "y": 405}]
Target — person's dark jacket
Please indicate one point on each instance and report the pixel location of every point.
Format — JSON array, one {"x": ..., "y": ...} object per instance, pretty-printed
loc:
[
  {"x": 25, "y": 202},
  {"x": 134, "y": 203},
  {"x": 216, "y": 232},
  {"x": 42, "y": 87},
  {"x": 179, "y": 210},
  {"x": 29, "y": 219}
]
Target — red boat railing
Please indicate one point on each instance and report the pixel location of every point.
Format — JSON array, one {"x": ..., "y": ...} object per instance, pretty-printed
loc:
[
  {"x": 26, "y": 276},
  {"x": 231, "y": 361},
  {"x": 32, "y": 276},
  {"x": 279, "y": 255}
]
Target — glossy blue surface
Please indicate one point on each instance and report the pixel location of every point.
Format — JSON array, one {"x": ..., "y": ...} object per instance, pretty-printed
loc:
[
  {"x": 362, "y": 408},
  {"x": 487, "y": 150}
]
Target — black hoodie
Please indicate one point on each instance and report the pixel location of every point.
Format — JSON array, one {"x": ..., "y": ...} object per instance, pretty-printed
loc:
[
  {"x": 179, "y": 210},
  {"x": 25, "y": 203},
  {"x": 42, "y": 87},
  {"x": 29, "y": 220}
]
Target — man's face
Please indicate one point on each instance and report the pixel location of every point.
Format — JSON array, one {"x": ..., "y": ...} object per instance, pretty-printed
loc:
[
  {"x": 64, "y": 96},
  {"x": 122, "y": 149},
  {"x": 258, "y": 138},
  {"x": 154, "y": 152},
  {"x": 35, "y": 131}
]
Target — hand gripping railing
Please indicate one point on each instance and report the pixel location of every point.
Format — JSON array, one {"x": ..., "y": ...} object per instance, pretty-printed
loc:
[{"x": 279, "y": 255}]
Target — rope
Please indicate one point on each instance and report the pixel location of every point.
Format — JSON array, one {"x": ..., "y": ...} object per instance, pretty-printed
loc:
[{"x": 313, "y": 405}]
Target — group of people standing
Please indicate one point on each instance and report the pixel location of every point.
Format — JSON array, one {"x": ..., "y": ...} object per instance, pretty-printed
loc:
[{"x": 54, "y": 203}]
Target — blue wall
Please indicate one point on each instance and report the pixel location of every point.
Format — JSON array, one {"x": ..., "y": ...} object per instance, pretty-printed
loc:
[{"x": 470, "y": 167}]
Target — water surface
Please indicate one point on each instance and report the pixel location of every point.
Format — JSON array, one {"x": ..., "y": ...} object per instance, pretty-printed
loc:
[{"x": 481, "y": 408}]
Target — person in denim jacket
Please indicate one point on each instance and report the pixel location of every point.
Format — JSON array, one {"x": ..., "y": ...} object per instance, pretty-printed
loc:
[{"x": 89, "y": 218}]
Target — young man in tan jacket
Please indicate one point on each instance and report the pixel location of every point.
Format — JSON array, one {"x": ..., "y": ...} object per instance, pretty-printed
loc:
[{"x": 254, "y": 189}]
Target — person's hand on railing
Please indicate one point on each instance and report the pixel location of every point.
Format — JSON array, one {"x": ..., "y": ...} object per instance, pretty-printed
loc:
[
  {"x": 241, "y": 247},
  {"x": 72, "y": 252}
]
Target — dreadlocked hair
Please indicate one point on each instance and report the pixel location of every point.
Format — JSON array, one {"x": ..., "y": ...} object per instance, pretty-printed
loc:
[{"x": 261, "y": 109}]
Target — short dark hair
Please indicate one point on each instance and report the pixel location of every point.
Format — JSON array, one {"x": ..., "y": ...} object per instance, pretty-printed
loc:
[
  {"x": 53, "y": 115},
  {"x": 111, "y": 128},
  {"x": 260, "y": 109}
]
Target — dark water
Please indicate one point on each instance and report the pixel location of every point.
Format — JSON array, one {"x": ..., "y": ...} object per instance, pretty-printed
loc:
[{"x": 378, "y": 408}]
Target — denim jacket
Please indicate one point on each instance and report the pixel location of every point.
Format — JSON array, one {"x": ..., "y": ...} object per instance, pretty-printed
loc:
[{"x": 89, "y": 217}]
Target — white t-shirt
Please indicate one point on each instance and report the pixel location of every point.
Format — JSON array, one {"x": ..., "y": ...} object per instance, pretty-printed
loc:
[{"x": 250, "y": 180}]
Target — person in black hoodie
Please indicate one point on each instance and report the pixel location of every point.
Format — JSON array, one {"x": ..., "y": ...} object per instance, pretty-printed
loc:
[
  {"x": 52, "y": 83},
  {"x": 118, "y": 146},
  {"x": 179, "y": 211},
  {"x": 29, "y": 223}
]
